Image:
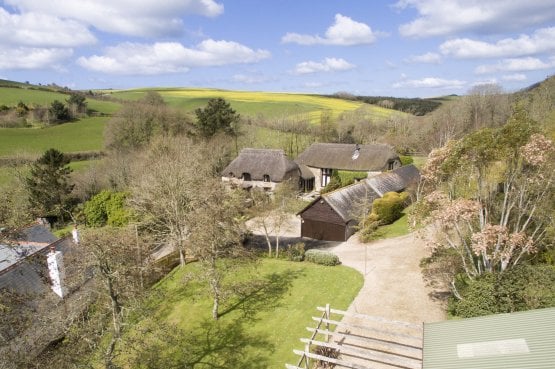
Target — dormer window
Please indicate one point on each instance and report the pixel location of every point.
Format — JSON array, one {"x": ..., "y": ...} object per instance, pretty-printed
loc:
[
  {"x": 266, "y": 178},
  {"x": 246, "y": 176}
]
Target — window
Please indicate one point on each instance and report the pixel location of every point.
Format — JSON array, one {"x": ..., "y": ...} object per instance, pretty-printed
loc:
[
  {"x": 246, "y": 176},
  {"x": 266, "y": 178},
  {"x": 391, "y": 165},
  {"x": 326, "y": 176}
]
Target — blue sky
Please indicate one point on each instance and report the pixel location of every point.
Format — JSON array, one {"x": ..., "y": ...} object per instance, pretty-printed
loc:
[{"x": 412, "y": 48}]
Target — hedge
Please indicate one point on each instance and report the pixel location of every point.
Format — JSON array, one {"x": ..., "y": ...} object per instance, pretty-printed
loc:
[{"x": 321, "y": 257}]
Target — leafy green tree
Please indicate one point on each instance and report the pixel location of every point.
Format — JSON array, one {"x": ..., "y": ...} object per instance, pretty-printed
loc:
[
  {"x": 489, "y": 198},
  {"x": 49, "y": 186},
  {"x": 217, "y": 116},
  {"x": 77, "y": 104},
  {"x": 107, "y": 208},
  {"x": 58, "y": 111}
]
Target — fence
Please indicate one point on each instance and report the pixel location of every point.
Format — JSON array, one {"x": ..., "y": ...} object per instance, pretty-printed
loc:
[{"x": 360, "y": 342}]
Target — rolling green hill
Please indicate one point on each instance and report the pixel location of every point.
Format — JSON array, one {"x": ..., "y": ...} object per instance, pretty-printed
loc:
[
  {"x": 253, "y": 104},
  {"x": 87, "y": 134}
]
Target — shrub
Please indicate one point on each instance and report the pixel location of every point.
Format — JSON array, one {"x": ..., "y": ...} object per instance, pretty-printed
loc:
[
  {"x": 406, "y": 159},
  {"x": 524, "y": 287},
  {"x": 321, "y": 257},
  {"x": 296, "y": 252},
  {"x": 390, "y": 207},
  {"x": 370, "y": 227},
  {"x": 334, "y": 183}
]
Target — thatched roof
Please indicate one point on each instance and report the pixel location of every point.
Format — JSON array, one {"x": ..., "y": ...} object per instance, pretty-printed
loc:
[
  {"x": 260, "y": 162},
  {"x": 374, "y": 157},
  {"x": 396, "y": 180}
]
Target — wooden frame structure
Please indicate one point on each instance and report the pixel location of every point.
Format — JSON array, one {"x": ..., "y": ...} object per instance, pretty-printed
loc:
[{"x": 362, "y": 342}]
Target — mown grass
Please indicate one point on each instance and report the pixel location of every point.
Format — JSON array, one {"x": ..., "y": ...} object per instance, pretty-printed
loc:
[
  {"x": 83, "y": 135},
  {"x": 266, "y": 322}
]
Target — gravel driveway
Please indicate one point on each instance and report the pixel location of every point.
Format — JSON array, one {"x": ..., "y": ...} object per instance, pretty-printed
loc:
[{"x": 393, "y": 285}]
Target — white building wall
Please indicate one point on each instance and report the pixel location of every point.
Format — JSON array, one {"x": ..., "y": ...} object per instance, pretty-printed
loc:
[{"x": 56, "y": 271}]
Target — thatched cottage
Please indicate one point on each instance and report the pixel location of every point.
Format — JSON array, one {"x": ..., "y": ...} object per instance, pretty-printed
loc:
[
  {"x": 324, "y": 158},
  {"x": 263, "y": 168},
  {"x": 334, "y": 216}
]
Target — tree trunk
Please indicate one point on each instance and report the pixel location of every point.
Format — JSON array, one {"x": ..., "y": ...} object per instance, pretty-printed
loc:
[
  {"x": 116, "y": 321},
  {"x": 181, "y": 257},
  {"x": 215, "y": 285}
]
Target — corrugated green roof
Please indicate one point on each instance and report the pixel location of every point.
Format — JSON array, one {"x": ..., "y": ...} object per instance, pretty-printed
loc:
[{"x": 523, "y": 340}]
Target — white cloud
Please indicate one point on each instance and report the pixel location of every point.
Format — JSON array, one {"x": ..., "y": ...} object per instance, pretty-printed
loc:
[
  {"x": 514, "y": 77},
  {"x": 515, "y": 65},
  {"x": 33, "y": 29},
  {"x": 251, "y": 79},
  {"x": 134, "y": 18},
  {"x": 443, "y": 17},
  {"x": 170, "y": 57},
  {"x": 344, "y": 32},
  {"x": 542, "y": 40},
  {"x": 326, "y": 65},
  {"x": 428, "y": 58},
  {"x": 430, "y": 82},
  {"x": 33, "y": 58}
]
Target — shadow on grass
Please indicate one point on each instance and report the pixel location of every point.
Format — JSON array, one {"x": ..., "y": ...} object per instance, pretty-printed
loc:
[
  {"x": 211, "y": 344},
  {"x": 261, "y": 294}
]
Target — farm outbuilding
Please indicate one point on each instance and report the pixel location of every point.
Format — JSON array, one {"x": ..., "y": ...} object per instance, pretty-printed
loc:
[
  {"x": 322, "y": 159},
  {"x": 524, "y": 339},
  {"x": 333, "y": 216}
]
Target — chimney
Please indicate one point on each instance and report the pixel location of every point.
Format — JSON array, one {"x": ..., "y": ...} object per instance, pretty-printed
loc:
[{"x": 56, "y": 271}]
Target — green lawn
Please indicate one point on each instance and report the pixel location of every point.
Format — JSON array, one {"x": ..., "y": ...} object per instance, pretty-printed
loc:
[
  {"x": 83, "y": 135},
  {"x": 398, "y": 228},
  {"x": 264, "y": 325}
]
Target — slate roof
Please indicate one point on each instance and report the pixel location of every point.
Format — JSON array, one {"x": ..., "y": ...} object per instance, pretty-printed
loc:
[
  {"x": 396, "y": 180},
  {"x": 258, "y": 162},
  {"x": 374, "y": 157},
  {"x": 23, "y": 262},
  {"x": 347, "y": 200}
]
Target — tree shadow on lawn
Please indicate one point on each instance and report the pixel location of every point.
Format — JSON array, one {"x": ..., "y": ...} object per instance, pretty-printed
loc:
[
  {"x": 261, "y": 294},
  {"x": 211, "y": 344}
]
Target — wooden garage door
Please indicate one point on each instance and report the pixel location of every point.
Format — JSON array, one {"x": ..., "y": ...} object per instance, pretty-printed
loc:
[{"x": 322, "y": 230}]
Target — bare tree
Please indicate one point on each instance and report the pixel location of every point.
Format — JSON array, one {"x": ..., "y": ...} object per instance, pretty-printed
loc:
[
  {"x": 216, "y": 233},
  {"x": 113, "y": 254}
]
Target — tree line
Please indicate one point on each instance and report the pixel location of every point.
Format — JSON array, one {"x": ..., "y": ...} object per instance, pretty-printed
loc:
[{"x": 23, "y": 115}]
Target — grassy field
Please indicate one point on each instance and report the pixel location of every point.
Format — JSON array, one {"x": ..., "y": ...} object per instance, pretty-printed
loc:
[
  {"x": 262, "y": 327},
  {"x": 84, "y": 135},
  {"x": 11, "y": 96},
  {"x": 268, "y": 104}
]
